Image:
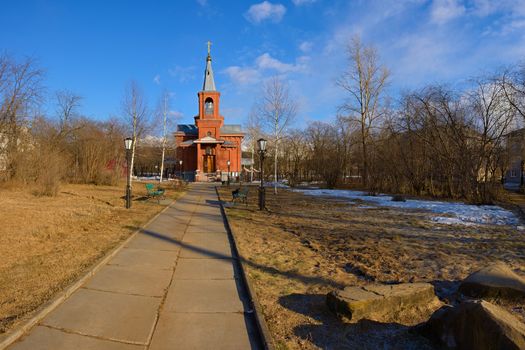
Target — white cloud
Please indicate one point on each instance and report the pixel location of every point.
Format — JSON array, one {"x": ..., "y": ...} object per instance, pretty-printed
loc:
[
  {"x": 156, "y": 79},
  {"x": 265, "y": 11},
  {"x": 443, "y": 11},
  {"x": 305, "y": 46},
  {"x": 264, "y": 65},
  {"x": 243, "y": 75},
  {"x": 202, "y": 2},
  {"x": 484, "y": 8},
  {"x": 303, "y": 2},
  {"x": 176, "y": 114},
  {"x": 182, "y": 74},
  {"x": 266, "y": 61}
]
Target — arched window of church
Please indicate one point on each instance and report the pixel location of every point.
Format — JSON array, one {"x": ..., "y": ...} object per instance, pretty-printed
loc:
[{"x": 208, "y": 106}]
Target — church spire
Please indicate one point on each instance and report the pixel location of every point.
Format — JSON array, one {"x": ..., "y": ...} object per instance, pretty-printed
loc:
[{"x": 209, "y": 82}]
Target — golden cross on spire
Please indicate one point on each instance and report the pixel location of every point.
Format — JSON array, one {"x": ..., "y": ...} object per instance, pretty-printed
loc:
[{"x": 209, "y": 47}]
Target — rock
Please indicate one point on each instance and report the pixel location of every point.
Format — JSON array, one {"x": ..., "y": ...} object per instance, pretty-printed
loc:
[
  {"x": 398, "y": 198},
  {"x": 494, "y": 281},
  {"x": 384, "y": 303},
  {"x": 475, "y": 325}
]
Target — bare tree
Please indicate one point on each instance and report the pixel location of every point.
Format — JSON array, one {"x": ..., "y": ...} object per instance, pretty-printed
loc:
[
  {"x": 277, "y": 111},
  {"x": 513, "y": 83},
  {"x": 364, "y": 81},
  {"x": 493, "y": 117},
  {"x": 164, "y": 131},
  {"x": 136, "y": 115},
  {"x": 253, "y": 132},
  {"x": 20, "y": 91}
]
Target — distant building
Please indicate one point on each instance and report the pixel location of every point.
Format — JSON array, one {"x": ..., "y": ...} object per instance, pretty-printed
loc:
[
  {"x": 516, "y": 151},
  {"x": 206, "y": 146}
]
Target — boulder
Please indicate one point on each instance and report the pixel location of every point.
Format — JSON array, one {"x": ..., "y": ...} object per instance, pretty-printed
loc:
[
  {"x": 398, "y": 198},
  {"x": 475, "y": 325},
  {"x": 494, "y": 281},
  {"x": 384, "y": 303}
]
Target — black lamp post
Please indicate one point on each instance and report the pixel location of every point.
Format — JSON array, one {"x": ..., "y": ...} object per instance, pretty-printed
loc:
[
  {"x": 228, "y": 162},
  {"x": 180, "y": 169},
  {"x": 261, "y": 144},
  {"x": 128, "y": 143}
]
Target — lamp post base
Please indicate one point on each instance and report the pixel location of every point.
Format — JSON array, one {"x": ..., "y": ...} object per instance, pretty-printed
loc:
[
  {"x": 128, "y": 197},
  {"x": 262, "y": 198}
]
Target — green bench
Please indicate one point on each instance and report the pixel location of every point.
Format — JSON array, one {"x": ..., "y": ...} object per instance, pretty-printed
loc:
[
  {"x": 240, "y": 194},
  {"x": 153, "y": 192}
]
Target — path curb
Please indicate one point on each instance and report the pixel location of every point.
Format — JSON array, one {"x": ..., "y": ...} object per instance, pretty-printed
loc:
[
  {"x": 13, "y": 336},
  {"x": 264, "y": 333}
]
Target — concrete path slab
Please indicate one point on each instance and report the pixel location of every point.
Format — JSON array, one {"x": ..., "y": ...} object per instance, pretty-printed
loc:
[
  {"x": 120, "y": 317},
  {"x": 152, "y": 240},
  {"x": 218, "y": 331},
  {"x": 158, "y": 259},
  {"x": 173, "y": 286},
  {"x": 131, "y": 280},
  {"x": 203, "y": 296},
  {"x": 45, "y": 338},
  {"x": 194, "y": 251},
  {"x": 204, "y": 269}
]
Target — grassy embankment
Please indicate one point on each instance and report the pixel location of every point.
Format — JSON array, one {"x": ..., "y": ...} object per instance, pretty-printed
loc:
[
  {"x": 46, "y": 243},
  {"x": 303, "y": 247}
]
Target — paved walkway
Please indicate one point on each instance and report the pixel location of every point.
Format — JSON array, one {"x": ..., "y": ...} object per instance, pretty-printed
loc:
[{"x": 174, "y": 286}]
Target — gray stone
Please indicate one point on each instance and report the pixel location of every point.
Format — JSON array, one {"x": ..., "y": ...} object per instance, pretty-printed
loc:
[
  {"x": 475, "y": 325},
  {"x": 384, "y": 303},
  {"x": 494, "y": 281}
]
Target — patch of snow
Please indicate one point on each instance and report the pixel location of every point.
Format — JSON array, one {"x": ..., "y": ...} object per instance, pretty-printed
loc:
[
  {"x": 279, "y": 185},
  {"x": 451, "y": 221},
  {"x": 464, "y": 214}
]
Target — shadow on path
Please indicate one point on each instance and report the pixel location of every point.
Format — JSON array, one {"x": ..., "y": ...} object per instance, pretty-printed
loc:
[{"x": 268, "y": 269}]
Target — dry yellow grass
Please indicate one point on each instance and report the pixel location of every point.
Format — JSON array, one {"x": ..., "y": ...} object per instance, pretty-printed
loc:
[
  {"x": 48, "y": 242},
  {"x": 303, "y": 247}
]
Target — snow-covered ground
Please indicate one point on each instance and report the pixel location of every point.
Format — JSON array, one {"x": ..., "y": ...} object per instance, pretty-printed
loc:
[{"x": 456, "y": 213}]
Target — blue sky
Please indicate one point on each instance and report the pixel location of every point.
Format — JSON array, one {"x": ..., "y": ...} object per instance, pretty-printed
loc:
[{"x": 94, "y": 48}]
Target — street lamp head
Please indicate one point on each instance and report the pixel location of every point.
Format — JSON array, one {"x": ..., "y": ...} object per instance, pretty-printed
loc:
[
  {"x": 228, "y": 162},
  {"x": 128, "y": 142},
  {"x": 180, "y": 162},
  {"x": 261, "y": 143}
]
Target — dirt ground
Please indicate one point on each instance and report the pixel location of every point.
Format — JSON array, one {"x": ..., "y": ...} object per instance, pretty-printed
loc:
[
  {"x": 304, "y": 246},
  {"x": 47, "y": 243}
]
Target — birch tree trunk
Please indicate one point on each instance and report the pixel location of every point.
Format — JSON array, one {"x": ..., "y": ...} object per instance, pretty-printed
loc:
[{"x": 165, "y": 113}]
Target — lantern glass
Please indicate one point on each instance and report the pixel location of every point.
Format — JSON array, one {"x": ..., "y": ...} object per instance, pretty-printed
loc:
[
  {"x": 128, "y": 142},
  {"x": 180, "y": 162},
  {"x": 228, "y": 163},
  {"x": 262, "y": 144}
]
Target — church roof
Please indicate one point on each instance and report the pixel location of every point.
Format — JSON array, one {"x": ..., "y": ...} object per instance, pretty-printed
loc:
[
  {"x": 209, "y": 82},
  {"x": 188, "y": 129}
]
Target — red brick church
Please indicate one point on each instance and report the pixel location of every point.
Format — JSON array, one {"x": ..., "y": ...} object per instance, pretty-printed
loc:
[{"x": 206, "y": 146}]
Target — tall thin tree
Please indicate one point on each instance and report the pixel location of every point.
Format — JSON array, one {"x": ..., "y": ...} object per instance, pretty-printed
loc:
[
  {"x": 364, "y": 80},
  {"x": 136, "y": 115},
  {"x": 277, "y": 111}
]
